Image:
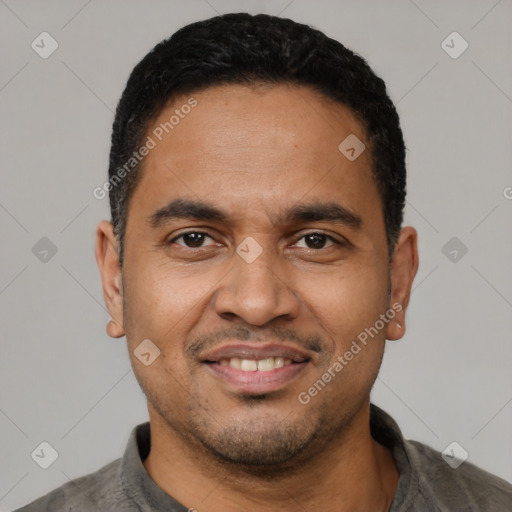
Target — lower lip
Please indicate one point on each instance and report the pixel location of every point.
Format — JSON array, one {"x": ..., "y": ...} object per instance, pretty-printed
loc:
[{"x": 258, "y": 382}]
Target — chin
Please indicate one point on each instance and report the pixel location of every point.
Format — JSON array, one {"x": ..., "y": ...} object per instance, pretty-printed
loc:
[{"x": 257, "y": 444}]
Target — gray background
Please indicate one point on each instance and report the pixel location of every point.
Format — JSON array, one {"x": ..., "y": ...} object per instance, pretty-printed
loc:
[{"x": 64, "y": 381}]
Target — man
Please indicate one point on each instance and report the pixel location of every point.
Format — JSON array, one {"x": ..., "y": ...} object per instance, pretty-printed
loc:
[{"x": 256, "y": 264}]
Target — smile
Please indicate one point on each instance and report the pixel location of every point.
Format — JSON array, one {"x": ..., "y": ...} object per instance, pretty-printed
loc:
[{"x": 256, "y": 368}]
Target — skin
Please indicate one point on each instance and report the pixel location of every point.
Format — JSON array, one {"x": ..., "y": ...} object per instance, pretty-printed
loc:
[{"x": 255, "y": 151}]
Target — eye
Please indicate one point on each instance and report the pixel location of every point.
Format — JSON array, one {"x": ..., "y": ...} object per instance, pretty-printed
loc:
[
  {"x": 196, "y": 239},
  {"x": 192, "y": 239},
  {"x": 318, "y": 240}
]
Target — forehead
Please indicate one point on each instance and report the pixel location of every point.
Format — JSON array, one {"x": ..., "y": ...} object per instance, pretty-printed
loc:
[
  {"x": 252, "y": 119},
  {"x": 242, "y": 145}
]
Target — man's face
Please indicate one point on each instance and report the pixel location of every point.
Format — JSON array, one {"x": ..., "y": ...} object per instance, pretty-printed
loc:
[{"x": 209, "y": 301}]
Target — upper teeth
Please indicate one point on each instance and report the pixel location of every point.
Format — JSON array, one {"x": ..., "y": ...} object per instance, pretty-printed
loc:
[{"x": 251, "y": 365}]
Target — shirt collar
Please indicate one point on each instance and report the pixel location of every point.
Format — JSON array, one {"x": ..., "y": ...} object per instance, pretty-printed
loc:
[
  {"x": 135, "y": 480},
  {"x": 386, "y": 432}
]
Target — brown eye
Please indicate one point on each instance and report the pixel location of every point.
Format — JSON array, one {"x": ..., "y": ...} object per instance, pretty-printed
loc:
[
  {"x": 192, "y": 239},
  {"x": 318, "y": 241}
]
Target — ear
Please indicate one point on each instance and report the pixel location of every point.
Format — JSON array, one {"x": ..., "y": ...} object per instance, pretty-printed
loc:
[
  {"x": 110, "y": 270},
  {"x": 404, "y": 266}
]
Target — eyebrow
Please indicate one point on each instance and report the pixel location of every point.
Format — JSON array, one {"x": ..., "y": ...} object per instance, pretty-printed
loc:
[{"x": 302, "y": 212}]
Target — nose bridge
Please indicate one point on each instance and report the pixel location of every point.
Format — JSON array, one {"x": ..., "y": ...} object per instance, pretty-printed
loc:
[
  {"x": 255, "y": 267},
  {"x": 256, "y": 262},
  {"x": 256, "y": 289}
]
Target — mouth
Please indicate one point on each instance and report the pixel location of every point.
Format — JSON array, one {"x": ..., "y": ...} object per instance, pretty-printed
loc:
[{"x": 250, "y": 369}]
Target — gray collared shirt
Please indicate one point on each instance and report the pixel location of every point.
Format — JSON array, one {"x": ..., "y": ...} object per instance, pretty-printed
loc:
[{"x": 427, "y": 482}]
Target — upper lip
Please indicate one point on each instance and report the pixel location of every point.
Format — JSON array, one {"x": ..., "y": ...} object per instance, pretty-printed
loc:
[{"x": 256, "y": 351}]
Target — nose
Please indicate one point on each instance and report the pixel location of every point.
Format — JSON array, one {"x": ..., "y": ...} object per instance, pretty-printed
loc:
[{"x": 257, "y": 291}]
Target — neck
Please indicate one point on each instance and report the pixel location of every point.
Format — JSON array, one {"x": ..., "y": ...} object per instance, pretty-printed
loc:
[{"x": 353, "y": 474}]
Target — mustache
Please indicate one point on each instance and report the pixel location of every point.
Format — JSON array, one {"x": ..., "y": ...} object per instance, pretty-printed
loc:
[{"x": 204, "y": 342}]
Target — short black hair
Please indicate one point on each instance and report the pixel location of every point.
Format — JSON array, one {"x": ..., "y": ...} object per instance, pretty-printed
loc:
[{"x": 239, "y": 48}]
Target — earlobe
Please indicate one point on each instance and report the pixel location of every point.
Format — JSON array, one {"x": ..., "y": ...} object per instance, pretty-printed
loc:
[
  {"x": 404, "y": 266},
  {"x": 114, "y": 330},
  {"x": 110, "y": 269},
  {"x": 395, "y": 330}
]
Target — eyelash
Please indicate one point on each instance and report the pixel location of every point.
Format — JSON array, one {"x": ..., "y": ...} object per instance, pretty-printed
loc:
[{"x": 328, "y": 237}]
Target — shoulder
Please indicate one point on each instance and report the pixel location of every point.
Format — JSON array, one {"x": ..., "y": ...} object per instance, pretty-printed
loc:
[
  {"x": 101, "y": 490},
  {"x": 467, "y": 487}
]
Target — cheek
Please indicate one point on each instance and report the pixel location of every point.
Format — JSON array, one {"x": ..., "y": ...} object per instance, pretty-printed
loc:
[
  {"x": 160, "y": 303},
  {"x": 346, "y": 310},
  {"x": 347, "y": 301}
]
